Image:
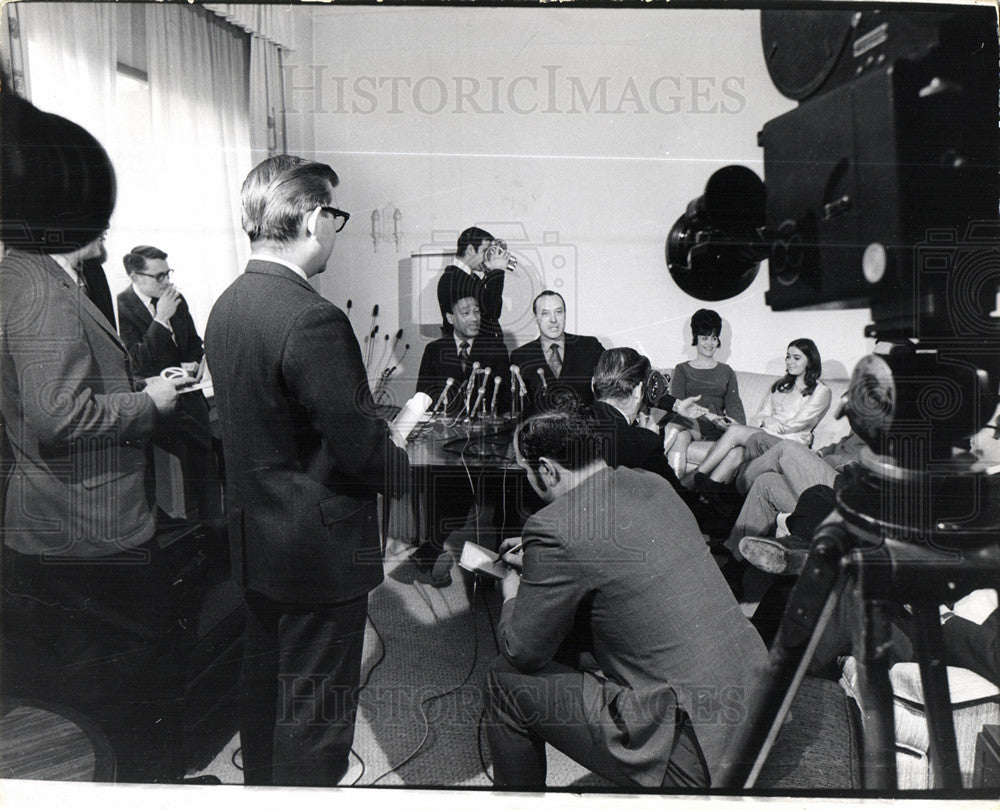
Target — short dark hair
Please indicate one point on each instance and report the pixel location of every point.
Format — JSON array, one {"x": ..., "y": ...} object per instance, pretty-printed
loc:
[
  {"x": 567, "y": 438},
  {"x": 705, "y": 322},
  {"x": 135, "y": 259},
  {"x": 472, "y": 237},
  {"x": 58, "y": 182},
  {"x": 618, "y": 371},
  {"x": 545, "y": 294},
  {"x": 274, "y": 199}
]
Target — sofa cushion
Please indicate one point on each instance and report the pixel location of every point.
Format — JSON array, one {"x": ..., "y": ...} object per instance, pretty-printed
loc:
[{"x": 755, "y": 387}]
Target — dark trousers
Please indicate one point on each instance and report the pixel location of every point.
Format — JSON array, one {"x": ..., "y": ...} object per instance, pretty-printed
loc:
[
  {"x": 525, "y": 711},
  {"x": 299, "y": 690},
  {"x": 101, "y": 636}
]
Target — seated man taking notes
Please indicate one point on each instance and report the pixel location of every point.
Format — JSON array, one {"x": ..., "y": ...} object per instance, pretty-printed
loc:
[
  {"x": 556, "y": 366},
  {"x": 617, "y": 549}
]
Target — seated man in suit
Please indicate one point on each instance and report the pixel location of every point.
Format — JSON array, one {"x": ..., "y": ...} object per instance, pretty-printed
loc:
[
  {"x": 454, "y": 356},
  {"x": 156, "y": 326},
  {"x": 556, "y": 366},
  {"x": 470, "y": 269},
  {"x": 616, "y": 549},
  {"x": 621, "y": 412}
]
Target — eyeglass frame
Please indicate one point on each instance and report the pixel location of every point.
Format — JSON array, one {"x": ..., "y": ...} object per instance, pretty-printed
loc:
[
  {"x": 336, "y": 212},
  {"x": 158, "y": 277}
]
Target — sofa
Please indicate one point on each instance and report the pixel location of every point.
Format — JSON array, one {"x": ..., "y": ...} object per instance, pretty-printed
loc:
[{"x": 754, "y": 389}]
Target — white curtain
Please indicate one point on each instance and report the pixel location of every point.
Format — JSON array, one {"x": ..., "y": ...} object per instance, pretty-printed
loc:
[
  {"x": 180, "y": 141},
  {"x": 69, "y": 52},
  {"x": 273, "y": 23},
  {"x": 267, "y": 102},
  {"x": 198, "y": 79}
]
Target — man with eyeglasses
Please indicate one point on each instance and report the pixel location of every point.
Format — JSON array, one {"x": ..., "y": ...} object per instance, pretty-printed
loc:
[
  {"x": 157, "y": 328},
  {"x": 305, "y": 461}
]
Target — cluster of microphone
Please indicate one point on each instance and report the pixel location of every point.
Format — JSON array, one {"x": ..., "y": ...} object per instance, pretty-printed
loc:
[{"x": 473, "y": 392}]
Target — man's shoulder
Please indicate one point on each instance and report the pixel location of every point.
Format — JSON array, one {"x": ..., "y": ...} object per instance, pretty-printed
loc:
[
  {"x": 584, "y": 343},
  {"x": 527, "y": 348}
]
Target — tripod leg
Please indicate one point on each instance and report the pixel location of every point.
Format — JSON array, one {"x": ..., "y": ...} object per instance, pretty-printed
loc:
[
  {"x": 937, "y": 696},
  {"x": 775, "y": 686},
  {"x": 871, "y": 651}
]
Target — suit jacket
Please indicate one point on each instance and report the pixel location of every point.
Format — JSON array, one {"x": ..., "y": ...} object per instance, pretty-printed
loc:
[
  {"x": 572, "y": 388},
  {"x": 635, "y": 447},
  {"x": 974, "y": 646},
  {"x": 152, "y": 349},
  {"x": 76, "y": 428},
  {"x": 305, "y": 455},
  {"x": 666, "y": 629},
  {"x": 456, "y": 284},
  {"x": 440, "y": 361}
]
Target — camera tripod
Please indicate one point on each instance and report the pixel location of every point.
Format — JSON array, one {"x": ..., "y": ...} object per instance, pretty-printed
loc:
[{"x": 885, "y": 548}]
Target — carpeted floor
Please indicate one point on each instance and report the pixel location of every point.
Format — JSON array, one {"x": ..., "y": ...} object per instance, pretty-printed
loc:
[{"x": 419, "y": 718}]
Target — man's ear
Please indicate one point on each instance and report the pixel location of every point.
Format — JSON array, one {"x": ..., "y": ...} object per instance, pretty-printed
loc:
[
  {"x": 548, "y": 470},
  {"x": 637, "y": 391},
  {"x": 311, "y": 220},
  {"x": 450, "y": 318}
]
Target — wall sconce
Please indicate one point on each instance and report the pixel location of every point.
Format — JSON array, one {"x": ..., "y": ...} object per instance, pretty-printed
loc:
[{"x": 381, "y": 228}]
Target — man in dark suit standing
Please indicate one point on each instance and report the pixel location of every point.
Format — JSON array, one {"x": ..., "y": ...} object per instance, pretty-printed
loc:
[
  {"x": 305, "y": 460},
  {"x": 615, "y": 549},
  {"x": 556, "y": 366},
  {"x": 86, "y": 593},
  {"x": 157, "y": 328},
  {"x": 486, "y": 275}
]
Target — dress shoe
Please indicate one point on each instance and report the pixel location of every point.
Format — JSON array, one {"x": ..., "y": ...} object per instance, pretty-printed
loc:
[{"x": 786, "y": 555}]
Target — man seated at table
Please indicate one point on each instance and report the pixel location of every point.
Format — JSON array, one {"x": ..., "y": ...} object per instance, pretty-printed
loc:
[
  {"x": 556, "y": 366},
  {"x": 454, "y": 357},
  {"x": 614, "y": 549}
]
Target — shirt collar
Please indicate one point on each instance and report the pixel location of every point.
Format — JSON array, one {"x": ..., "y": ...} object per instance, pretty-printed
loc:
[
  {"x": 142, "y": 297},
  {"x": 463, "y": 266},
  {"x": 548, "y": 343},
  {"x": 458, "y": 342},
  {"x": 59, "y": 259},
  {"x": 268, "y": 257}
]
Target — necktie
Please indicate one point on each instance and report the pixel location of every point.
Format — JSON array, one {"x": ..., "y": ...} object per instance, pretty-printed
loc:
[
  {"x": 463, "y": 355},
  {"x": 555, "y": 359},
  {"x": 153, "y": 302}
]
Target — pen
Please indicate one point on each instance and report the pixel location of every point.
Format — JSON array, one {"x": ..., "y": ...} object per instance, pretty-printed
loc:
[{"x": 513, "y": 549}]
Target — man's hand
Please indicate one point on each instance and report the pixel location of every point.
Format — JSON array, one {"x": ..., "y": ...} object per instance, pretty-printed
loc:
[
  {"x": 497, "y": 257},
  {"x": 510, "y": 584},
  {"x": 646, "y": 420},
  {"x": 164, "y": 393},
  {"x": 168, "y": 303},
  {"x": 689, "y": 408},
  {"x": 512, "y": 554}
]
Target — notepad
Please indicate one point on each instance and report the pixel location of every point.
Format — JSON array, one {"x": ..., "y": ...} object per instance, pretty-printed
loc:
[{"x": 481, "y": 560}]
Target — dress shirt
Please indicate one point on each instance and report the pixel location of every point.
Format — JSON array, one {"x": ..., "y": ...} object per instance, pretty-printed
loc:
[
  {"x": 269, "y": 257},
  {"x": 548, "y": 343},
  {"x": 459, "y": 341},
  {"x": 60, "y": 259}
]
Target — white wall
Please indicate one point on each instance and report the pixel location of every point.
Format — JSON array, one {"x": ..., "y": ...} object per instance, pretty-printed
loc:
[{"x": 610, "y": 181}]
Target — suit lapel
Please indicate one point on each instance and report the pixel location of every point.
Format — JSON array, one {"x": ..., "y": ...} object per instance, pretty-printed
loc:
[
  {"x": 137, "y": 308},
  {"x": 60, "y": 278}
]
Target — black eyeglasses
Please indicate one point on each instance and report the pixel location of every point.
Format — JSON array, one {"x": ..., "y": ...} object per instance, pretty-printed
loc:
[
  {"x": 159, "y": 277},
  {"x": 336, "y": 213}
]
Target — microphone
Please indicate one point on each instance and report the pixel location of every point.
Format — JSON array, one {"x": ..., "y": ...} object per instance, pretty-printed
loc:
[
  {"x": 442, "y": 398},
  {"x": 516, "y": 373},
  {"x": 469, "y": 385},
  {"x": 480, "y": 395},
  {"x": 541, "y": 375},
  {"x": 496, "y": 392}
]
